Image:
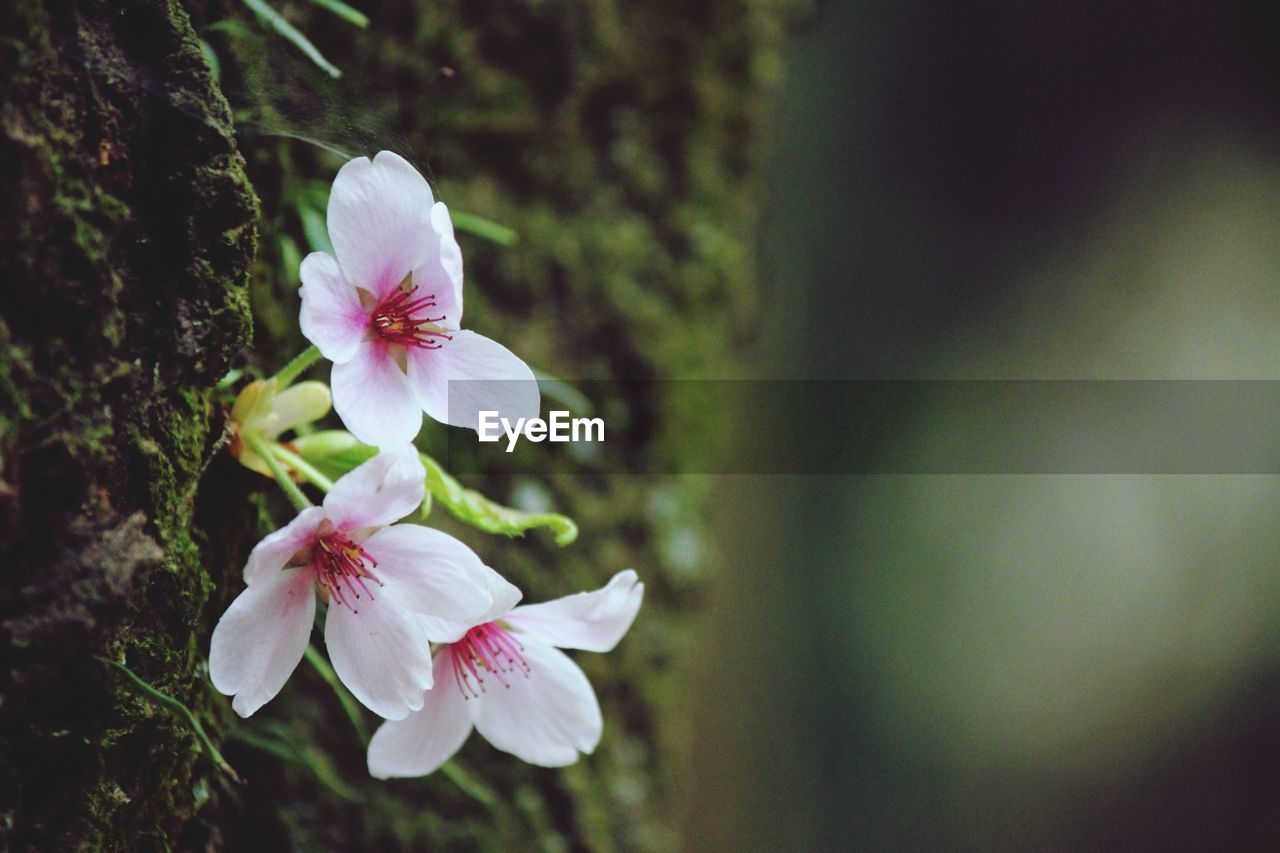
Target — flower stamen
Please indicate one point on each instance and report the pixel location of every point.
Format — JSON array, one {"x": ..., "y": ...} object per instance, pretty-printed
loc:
[
  {"x": 402, "y": 320},
  {"x": 341, "y": 567},
  {"x": 487, "y": 648}
]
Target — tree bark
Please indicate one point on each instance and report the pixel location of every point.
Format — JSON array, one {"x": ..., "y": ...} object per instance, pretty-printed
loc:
[{"x": 129, "y": 230}]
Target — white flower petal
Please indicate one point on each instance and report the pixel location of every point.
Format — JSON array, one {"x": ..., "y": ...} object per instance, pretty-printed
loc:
[
  {"x": 544, "y": 719},
  {"x": 380, "y": 221},
  {"x": 379, "y": 491},
  {"x": 505, "y": 596},
  {"x": 430, "y": 571},
  {"x": 260, "y": 639},
  {"x": 272, "y": 554},
  {"x": 422, "y": 741},
  {"x": 441, "y": 275},
  {"x": 373, "y": 397},
  {"x": 592, "y": 621},
  {"x": 471, "y": 374},
  {"x": 380, "y": 653},
  {"x": 332, "y": 317}
]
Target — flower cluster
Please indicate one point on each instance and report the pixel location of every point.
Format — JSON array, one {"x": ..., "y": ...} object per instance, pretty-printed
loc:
[{"x": 417, "y": 627}]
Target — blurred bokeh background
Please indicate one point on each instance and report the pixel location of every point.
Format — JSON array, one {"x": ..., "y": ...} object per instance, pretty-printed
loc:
[{"x": 1014, "y": 191}]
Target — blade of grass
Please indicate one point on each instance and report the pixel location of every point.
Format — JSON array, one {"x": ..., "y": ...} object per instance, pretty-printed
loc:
[
  {"x": 233, "y": 28},
  {"x": 278, "y": 23},
  {"x": 475, "y": 790},
  {"x": 486, "y": 228},
  {"x": 313, "y": 760},
  {"x": 290, "y": 257},
  {"x": 314, "y": 228},
  {"x": 557, "y": 389},
  {"x": 348, "y": 702},
  {"x": 232, "y": 377},
  {"x": 215, "y": 67},
  {"x": 345, "y": 12},
  {"x": 164, "y": 700}
]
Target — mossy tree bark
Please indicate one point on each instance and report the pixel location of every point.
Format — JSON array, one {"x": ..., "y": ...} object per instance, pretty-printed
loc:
[
  {"x": 621, "y": 140},
  {"x": 129, "y": 231}
]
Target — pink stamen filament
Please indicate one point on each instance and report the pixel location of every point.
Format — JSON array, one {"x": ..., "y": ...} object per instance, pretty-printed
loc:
[
  {"x": 486, "y": 648},
  {"x": 341, "y": 567},
  {"x": 400, "y": 320}
]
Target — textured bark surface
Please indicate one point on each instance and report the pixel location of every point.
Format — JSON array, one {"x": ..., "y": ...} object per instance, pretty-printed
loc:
[
  {"x": 129, "y": 231},
  {"x": 621, "y": 140}
]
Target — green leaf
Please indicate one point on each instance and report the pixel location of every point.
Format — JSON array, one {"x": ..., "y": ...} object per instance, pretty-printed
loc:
[
  {"x": 335, "y": 452},
  {"x": 278, "y": 23},
  {"x": 345, "y": 12},
  {"x": 486, "y": 228},
  {"x": 471, "y": 507}
]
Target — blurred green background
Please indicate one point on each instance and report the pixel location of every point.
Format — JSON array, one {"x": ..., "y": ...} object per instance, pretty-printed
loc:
[{"x": 1026, "y": 191}]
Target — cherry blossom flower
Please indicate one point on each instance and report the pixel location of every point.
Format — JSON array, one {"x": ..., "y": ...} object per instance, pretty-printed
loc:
[
  {"x": 387, "y": 311},
  {"x": 507, "y": 677},
  {"x": 385, "y": 585}
]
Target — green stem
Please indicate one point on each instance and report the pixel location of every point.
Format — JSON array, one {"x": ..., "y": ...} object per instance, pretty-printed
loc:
[
  {"x": 290, "y": 371},
  {"x": 302, "y": 466},
  {"x": 290, "y": 488},
  {"x": 166, "y": 701},
  {"x": 348, "y": 702}
]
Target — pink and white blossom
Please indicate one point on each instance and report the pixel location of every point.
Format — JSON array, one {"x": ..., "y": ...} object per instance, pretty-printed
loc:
[
  {"x": 387, "y": 311},
  {"x": 386, "y": 586},
  {"x": 507, "y": 677}
]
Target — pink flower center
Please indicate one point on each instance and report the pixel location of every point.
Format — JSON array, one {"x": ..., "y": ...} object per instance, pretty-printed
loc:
[
  {"x": 487, "y": 648},
  {"x": 341, "y": 567},
  {"x": 401, "y": 319}
]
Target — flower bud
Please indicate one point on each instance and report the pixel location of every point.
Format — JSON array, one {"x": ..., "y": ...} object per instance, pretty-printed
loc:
[{"x": 267, "y": 413}]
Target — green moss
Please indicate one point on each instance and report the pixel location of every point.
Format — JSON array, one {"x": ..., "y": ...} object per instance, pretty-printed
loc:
[{"x": 133, "y": 227}]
